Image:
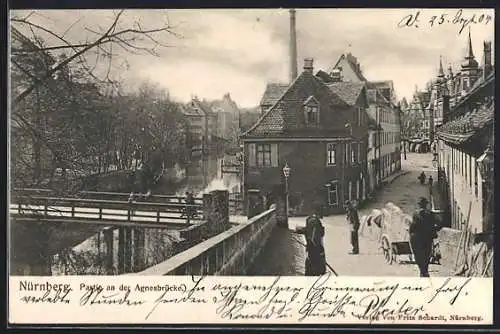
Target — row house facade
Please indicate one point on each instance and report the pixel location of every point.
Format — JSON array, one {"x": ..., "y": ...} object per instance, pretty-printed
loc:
[
  {"x": 319, "y": 130},
  {"x": 228, "y": 116},
  {"x": 416, "y": 119},
  {"x": 201, "y": 125},
  {"x": 384, "y": 144},
  {"x": 465, "y": 139},
  {"x": 445, "y": 91}
]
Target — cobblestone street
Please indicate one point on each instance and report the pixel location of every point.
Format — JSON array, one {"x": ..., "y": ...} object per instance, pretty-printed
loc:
[{"x": 403, "y": 191}]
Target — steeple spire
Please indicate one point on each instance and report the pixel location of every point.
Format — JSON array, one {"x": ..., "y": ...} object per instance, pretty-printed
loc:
[
  {"x": 469, "y": 61},
  {"x": 470, "y": 53},
  {"x": 441, "y": 72}
]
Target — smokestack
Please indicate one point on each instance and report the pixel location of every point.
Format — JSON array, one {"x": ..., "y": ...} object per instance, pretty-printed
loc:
[{"x": 293, "y": 46}]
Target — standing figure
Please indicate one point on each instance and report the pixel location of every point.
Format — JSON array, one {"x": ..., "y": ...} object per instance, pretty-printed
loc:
[
  {"x": 353, "y": 220},
  {"x": 422, "y": 233},
  {"x": 189, "y": 211},
  {"x": 421, "y": 178},
  {"x": 431, "y": 180},
  {"x": 314, "y": 233}
]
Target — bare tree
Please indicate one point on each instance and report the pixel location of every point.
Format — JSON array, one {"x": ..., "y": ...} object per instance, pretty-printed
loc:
[
  {"x": 58, "y": 103},
  {"x": 104, "y": 44}
]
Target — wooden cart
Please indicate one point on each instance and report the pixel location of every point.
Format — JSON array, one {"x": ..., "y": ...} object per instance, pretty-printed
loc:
[{"x": 394, "y": 237}]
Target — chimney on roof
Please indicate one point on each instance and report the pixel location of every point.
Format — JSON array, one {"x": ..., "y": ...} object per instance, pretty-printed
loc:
[
  {"x": 293, "y": 46},
  {"x": 487, "y": 67},
  {"x": 308, "y": 65},
  {"x": 336, "y": 74}
]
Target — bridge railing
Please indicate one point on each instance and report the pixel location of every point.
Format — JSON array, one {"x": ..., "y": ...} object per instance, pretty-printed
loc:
[
  {"x": 101, "y": 209},
  {"x": 229, "y": 253},
  {"x": 124, "y": 196},
  {"x": 235, "y": 199}
]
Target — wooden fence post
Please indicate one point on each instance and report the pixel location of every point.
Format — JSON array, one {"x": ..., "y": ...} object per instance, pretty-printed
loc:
[
  {"x": 121, "y": 250},
  {"x": 109, "y": 241}
]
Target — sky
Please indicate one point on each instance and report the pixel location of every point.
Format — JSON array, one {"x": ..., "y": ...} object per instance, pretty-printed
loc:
[{"x": 214, "y": 52}]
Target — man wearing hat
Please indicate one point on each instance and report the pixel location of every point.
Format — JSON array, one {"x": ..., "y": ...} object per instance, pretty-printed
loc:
[
  {"x": 422, "y": 233},
  {"x": 353, "y": 220}
]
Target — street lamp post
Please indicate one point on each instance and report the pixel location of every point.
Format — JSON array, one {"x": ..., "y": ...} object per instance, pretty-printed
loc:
[
  {"x": 286, "y": 173},
  {"x": 404, "y": 147}
]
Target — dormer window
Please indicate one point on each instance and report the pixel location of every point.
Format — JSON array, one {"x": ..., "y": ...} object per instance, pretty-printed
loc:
[{"x": 311, "y": 111}]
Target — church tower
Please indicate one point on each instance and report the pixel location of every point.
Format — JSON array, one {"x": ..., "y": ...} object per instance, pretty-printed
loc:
[{"x": 470, "y": 68}]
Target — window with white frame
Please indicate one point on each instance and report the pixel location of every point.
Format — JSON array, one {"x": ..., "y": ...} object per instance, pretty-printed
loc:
[
  {"x": 262, "y": 155},
  {"x": 331, "y": 154},
  {"x": 333, "y": 194}
]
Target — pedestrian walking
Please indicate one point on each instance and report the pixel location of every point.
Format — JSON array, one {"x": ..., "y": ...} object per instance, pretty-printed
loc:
[
  {"x": 422, "y": 178},
  {"x": 422, "y": 231},
  {"x": 431, "y": 180},
  {"x": 352, "y": 217},
  {"x": 314, "y": 233}
]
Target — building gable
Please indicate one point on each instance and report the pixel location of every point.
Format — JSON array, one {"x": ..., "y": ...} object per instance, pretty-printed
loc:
[
  {"x": 287, "y": 117},
  {"x": 349, "y": 68}
]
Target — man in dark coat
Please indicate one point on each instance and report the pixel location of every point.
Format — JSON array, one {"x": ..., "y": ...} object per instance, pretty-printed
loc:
[
  {"x": 422, "y": 233},
  {"x": 189, "y": 210},
  {"x": 352, "y": 217},
  {"x": 314, "y": 233}
]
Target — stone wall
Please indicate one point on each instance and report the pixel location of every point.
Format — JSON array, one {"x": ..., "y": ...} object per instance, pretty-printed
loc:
[
  {"x": 475, "y": 258},
  {"x": 448, "y": 243},
  {"x": 229, "y": 253}
]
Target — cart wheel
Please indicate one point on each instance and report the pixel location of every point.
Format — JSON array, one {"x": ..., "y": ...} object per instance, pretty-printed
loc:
[{"x": 386, "y": 249}]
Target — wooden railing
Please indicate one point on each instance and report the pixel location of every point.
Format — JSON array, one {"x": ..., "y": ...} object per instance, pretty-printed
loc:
[
  {"x": 25, "y": 194},
  {"x": 102, "y": 209}
]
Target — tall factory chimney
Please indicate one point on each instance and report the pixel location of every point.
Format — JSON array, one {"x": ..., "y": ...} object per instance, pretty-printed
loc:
[{"x": 293, "y": 46}]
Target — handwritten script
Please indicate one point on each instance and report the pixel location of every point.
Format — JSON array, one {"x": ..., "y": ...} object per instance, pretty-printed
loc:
[
  {"x": 419, "y": 19},
  {"x": 270, "y": 299}
]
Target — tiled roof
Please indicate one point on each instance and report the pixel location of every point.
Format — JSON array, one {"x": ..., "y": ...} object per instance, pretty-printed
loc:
[
  {"x": 204, "y": 105},
  {"x": 191, "y": 110},
  {"x": 464, "y": 128},
  {"x": 382, "y": 84},
  {"x": 285, "y": 117},
  {"x": 225, "y": 105},
  {"x": 324, "y": 76},
  {"x": 347, "y": 91},
  {"x": 272, "y": 93}
]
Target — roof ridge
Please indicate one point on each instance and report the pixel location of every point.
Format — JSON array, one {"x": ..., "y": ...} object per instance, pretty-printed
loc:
[
  {"x": 274, "y": 105},
  {"x": 329, "y": 90}
]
